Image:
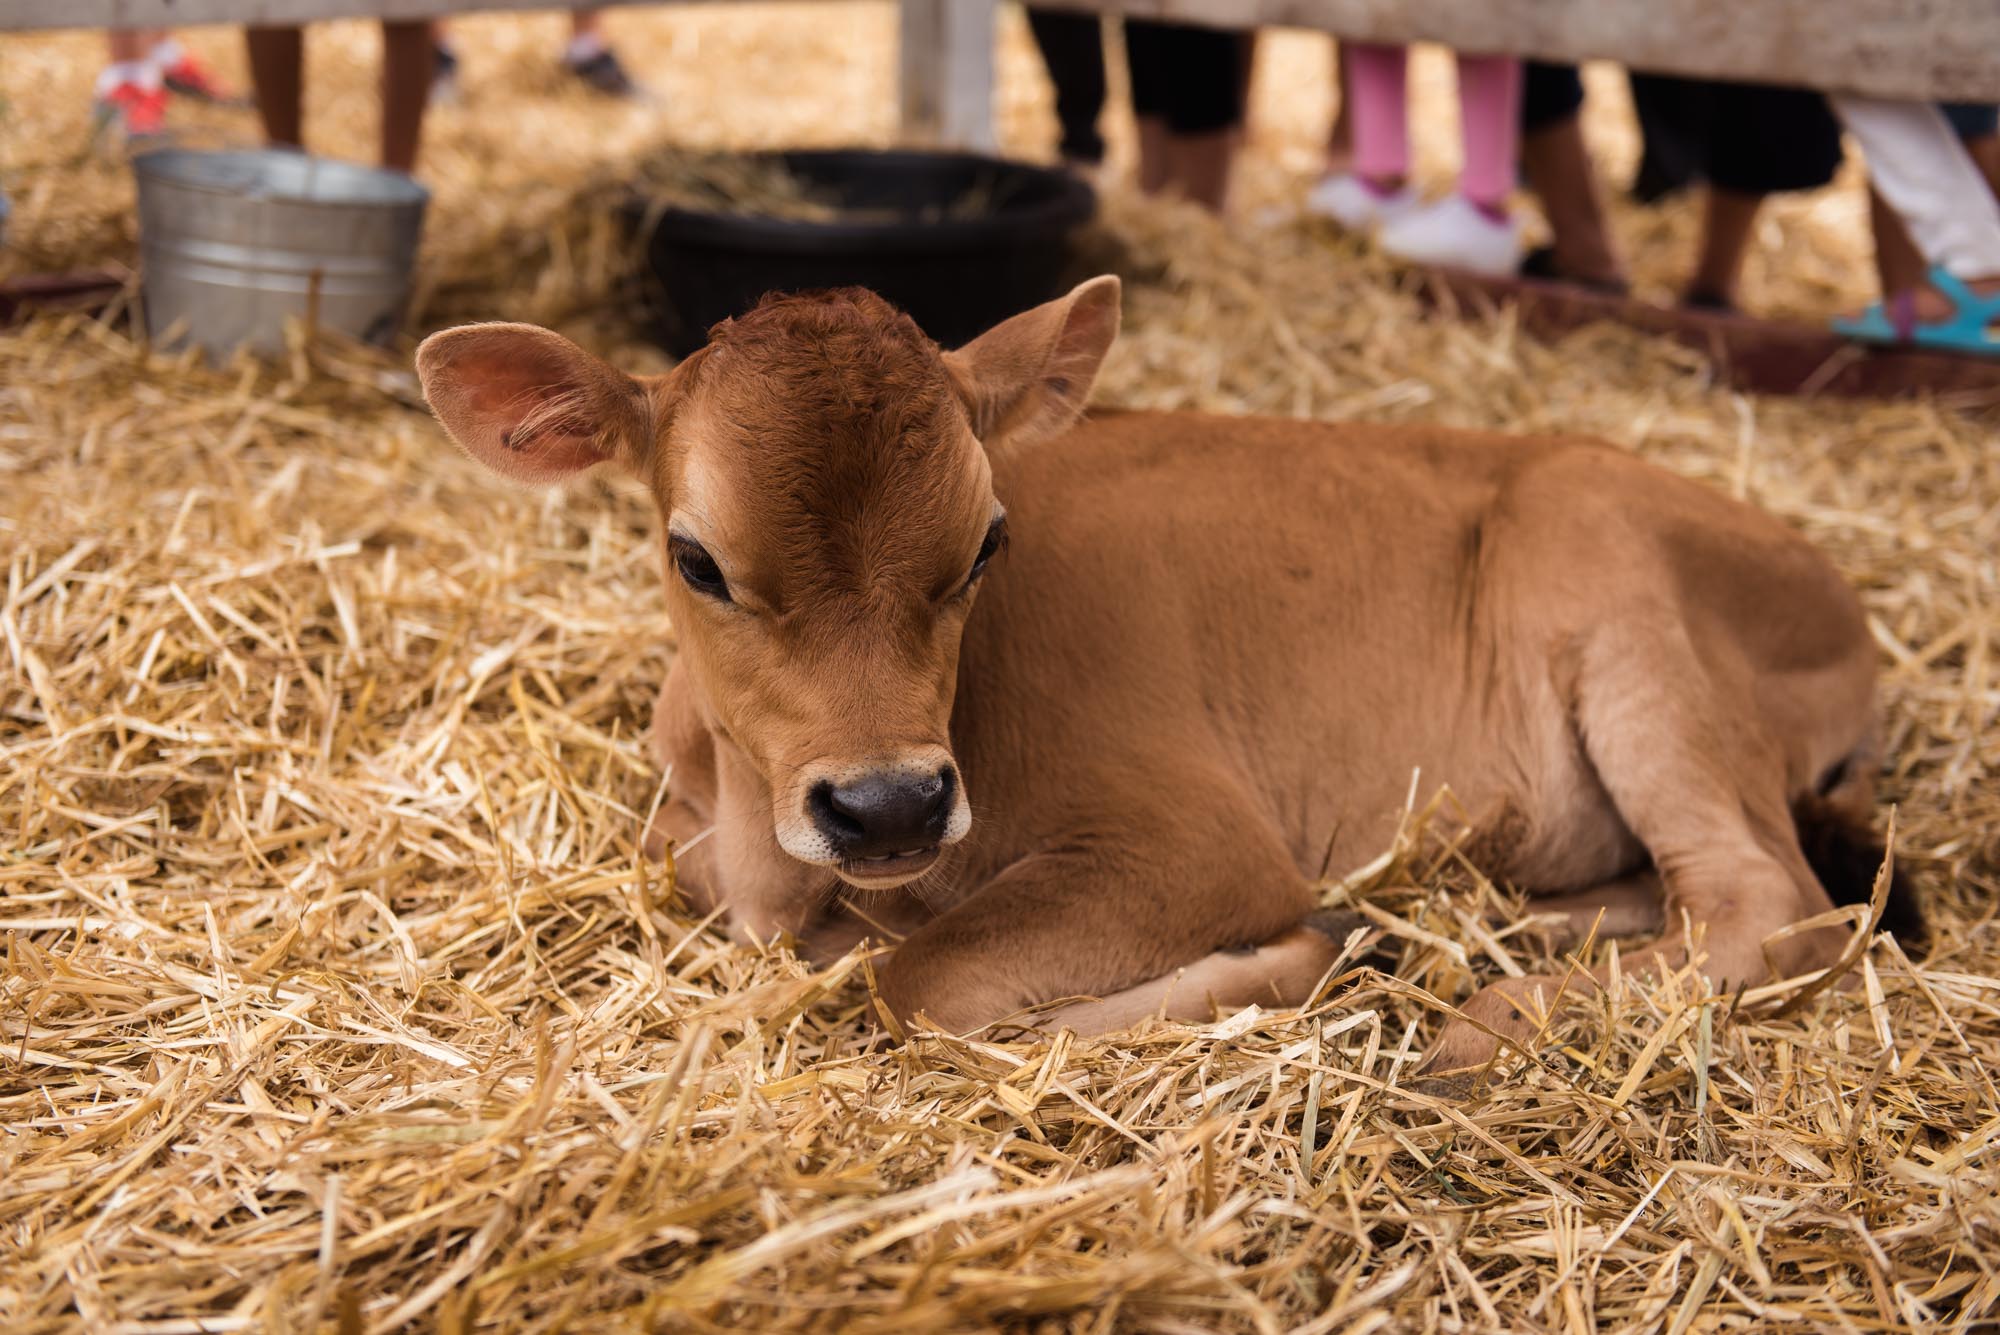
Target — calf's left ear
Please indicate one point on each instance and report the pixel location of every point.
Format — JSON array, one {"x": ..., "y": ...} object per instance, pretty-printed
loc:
[
  {"x": 530, "y": 404},
  {"x": 1030, "y": 376}
]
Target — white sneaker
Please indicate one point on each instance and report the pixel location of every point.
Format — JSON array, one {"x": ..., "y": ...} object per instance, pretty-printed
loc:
[
  {"x": 1344, "y": 198},
  {"x": 1455, "y": 233}
]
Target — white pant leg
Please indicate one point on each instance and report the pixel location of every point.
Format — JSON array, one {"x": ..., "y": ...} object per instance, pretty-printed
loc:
[{"x": 1924, "y": 173}]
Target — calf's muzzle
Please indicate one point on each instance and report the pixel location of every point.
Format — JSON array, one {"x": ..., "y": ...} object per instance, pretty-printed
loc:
[{"x": 884, "y": 813}]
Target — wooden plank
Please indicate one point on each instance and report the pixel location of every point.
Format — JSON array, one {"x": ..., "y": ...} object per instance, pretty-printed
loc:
[
  {"x": 946, "y": 73},
  {"x": 1924, "y": 50},
  {"x": 1761, "y": 356},
  {"x": 920, "y": 70},
  {"x": 91, "y": 291},
  {"x": 1921, "y": 50},
  {"x": 24, "y": 14}
]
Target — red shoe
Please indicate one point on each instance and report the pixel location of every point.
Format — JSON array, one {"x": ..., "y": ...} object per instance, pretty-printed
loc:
[
  {"x": 189, "y": 77},
  {"x": 140, "y": 112}
]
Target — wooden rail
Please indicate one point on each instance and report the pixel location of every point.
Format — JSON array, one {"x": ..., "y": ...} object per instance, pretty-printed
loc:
[
  {"x": 1921, "y": 50},
  {"x": 1916, "y": 50}
]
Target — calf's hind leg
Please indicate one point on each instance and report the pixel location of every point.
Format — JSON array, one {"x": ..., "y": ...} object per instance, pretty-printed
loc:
[
  {"x": 1697, "y": 776},
  {"x": 1628, "y": 906}
]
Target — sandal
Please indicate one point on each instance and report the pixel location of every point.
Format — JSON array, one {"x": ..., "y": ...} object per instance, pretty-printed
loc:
[{"x": 1894, "y": 321}]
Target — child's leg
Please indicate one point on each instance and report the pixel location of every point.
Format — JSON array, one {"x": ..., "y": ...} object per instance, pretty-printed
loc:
[
  {"x": 1072, "y": 47},
  {"x": 1489, "y": 100},
  {"x": 1340, "y": 136},
  {"x": 1377, "y": 84},
  {"x": 1928, "y": 178},
  {"x": 1728, "y": 223},
  {"x": 126, "y": 45},
  {"x": 1898, "y": 265}
]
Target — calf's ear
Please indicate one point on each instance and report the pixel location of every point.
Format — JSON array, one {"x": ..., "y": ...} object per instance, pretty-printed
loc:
[
  {"x": 530, "y": 404},
  {"x": 1030, "y": 376}
]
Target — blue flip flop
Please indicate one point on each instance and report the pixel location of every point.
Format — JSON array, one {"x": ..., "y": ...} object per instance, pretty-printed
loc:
[{"x": 1969, "y": 330}]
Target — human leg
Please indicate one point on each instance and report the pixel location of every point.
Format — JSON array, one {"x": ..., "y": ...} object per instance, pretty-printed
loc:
[
  {"x": 590, "y": 58},
  {"x": 1729, "y": 220},
  {"x": 1556, "y": 163},
  {"x": 130, "y": 93},
  {"x": 1072, "y": 47},
  {"x": 1489, "y": 100},
  {"x": 1187, "y": 88},
  {"x": 1925, "y": 175},
  {"x": 1374, "y": 106}
]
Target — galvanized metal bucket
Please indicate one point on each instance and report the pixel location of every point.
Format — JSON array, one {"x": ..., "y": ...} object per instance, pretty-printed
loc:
[{"x": 234, "y": 243}]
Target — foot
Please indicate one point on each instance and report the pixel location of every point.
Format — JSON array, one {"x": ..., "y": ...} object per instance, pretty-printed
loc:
[
  {"x": 1942, "y": 311},
  {"x": 1373, "y": 951},
  {"x": 1934, "y": 306},
  {"x": 134, "y": 109},
  {"x": 602, "y": 73},
  {"x": 187, "y": 75},
  {"x": 1358, "y": 204},
  {"x": 1459, "y": 234},
  {"x": 444, "y": 74}
]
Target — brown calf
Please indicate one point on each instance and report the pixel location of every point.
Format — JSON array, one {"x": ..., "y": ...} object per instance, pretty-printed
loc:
[{"x": 1077, "y": 709}]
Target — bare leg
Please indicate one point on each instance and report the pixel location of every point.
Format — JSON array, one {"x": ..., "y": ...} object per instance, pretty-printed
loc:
[
  {"x": 277, "y": 74},
  {"x": 1155, "y": 168},
  {"x": 1197, "y": 166},
  {"x": 1340, "y": 137},
  {"x": 128, "y": 44},
  {"x": 1557, "y": 164},
  {"x": 408, "y": 63},
  {"x": 1897, "y": 264},
  {"x": 1901, "y": 270},
  {"x": 1728, "y": 219}
]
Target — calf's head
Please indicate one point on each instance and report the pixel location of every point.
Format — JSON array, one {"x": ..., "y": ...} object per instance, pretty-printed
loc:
[{"x": 822, "y": 479}]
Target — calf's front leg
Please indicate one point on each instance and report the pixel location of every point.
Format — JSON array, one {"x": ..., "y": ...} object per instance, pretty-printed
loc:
[{"x": 1210, "y": 914}]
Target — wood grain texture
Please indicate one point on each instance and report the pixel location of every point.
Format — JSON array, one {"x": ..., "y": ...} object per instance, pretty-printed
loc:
[
  {"x": 1918, "y": 49},
  {"x": 1927, "y": 50}
]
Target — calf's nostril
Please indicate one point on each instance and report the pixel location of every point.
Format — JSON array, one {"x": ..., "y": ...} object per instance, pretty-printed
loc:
[{"x": 834, "y": 816}]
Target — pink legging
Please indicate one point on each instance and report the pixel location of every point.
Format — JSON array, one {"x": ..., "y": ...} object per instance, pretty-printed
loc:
[{"x": 1489, "y": 98}]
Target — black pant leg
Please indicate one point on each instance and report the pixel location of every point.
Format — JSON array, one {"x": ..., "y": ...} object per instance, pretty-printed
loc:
[
  {"x": 1072, "y": 46},
  {"x": 1191, "y": 77}
]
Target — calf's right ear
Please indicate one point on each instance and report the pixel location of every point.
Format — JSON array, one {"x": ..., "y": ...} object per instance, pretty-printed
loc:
[
  {"x": 1030, "y": 376},
  {"x": 530, "y": 404}
]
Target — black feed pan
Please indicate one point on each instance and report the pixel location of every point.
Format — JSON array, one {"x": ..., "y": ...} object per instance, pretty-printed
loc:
[{"x": 957, "y": 275}]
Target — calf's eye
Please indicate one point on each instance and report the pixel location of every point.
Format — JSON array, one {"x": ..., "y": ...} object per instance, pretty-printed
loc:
[
  {"x": 996, "y": 538},
  {"x": 698, "y": 569}
]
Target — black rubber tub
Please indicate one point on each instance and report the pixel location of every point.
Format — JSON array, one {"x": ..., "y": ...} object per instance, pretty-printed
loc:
[{"x": 958, "y": 274}]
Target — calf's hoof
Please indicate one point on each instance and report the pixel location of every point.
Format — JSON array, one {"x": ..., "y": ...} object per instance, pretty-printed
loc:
[
  {"x": 1455, "y": 1085},
  {"x": 1337, "y": 925}
]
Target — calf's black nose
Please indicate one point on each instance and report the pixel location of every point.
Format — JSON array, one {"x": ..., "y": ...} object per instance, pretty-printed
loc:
[{"x": 882, "y": 814}]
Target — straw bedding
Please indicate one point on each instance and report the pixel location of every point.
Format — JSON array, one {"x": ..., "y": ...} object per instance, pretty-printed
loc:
[{"x": 334, "y": 994}]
